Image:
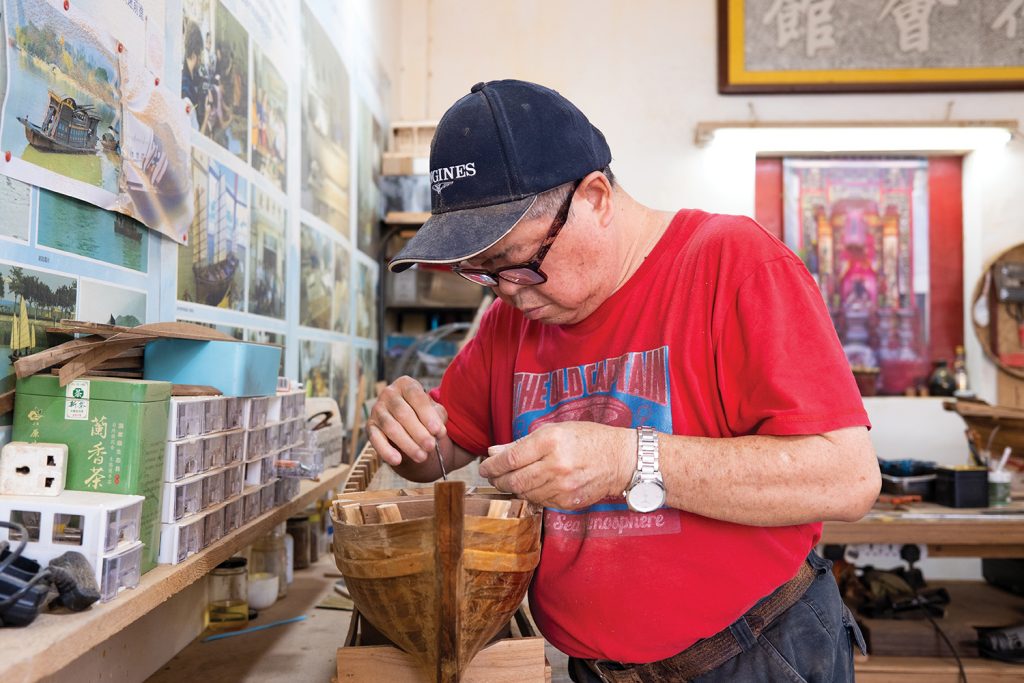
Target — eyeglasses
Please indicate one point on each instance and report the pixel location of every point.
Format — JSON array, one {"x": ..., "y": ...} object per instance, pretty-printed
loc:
[{"x": 529, "y": 272}]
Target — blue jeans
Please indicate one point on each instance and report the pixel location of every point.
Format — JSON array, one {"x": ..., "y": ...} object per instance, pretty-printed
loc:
[{"x": 811, "y": 641}]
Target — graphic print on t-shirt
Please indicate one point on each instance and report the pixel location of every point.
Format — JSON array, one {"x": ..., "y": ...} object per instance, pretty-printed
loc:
[{"x": 630, "y": 390}]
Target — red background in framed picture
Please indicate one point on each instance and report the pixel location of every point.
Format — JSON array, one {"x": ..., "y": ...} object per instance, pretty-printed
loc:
[{"x": 853, "y": 222}]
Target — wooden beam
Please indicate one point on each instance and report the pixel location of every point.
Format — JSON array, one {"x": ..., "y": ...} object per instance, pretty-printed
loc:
[{"x": 448, "y": 521}]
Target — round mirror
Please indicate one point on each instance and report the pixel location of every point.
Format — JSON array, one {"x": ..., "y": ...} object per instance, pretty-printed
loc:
[{"x": 997, "y": 311}]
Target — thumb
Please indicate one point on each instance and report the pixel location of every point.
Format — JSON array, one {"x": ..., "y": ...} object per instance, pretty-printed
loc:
[{"x": 498, "y": 449}]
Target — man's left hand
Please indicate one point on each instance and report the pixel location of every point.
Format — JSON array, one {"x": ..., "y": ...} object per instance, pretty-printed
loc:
[{"x": 564, "y": 465}]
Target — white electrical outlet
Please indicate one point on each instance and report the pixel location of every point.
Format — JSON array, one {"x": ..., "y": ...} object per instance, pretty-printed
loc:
[
  {"x": 878, "y": 553},
  {"x": 34, "y": 469}
]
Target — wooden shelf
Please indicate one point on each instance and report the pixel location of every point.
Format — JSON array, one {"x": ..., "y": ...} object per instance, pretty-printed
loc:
[
  {"x": 54, "y": 640},
  {"x": 406, "y": 217},
  {"x": 984, "y": 535},
  {"x": 933, "y": 670}
]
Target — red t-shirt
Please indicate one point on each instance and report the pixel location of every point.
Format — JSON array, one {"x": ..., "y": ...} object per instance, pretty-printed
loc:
[{"x": 721, "y": 332}]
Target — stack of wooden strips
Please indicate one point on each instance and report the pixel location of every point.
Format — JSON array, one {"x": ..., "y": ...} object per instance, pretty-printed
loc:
[{"x": 104, "y": 351}]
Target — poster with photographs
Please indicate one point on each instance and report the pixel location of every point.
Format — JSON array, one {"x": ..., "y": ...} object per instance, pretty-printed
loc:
[
  {"x": 269, "y": 254},
  {"x": 230, "y": 330},
  {"x": 366, "y": 371},
  {"x": 82, "y": 229},
  {"x": 341, "y": 364},
  {"x": 84, "y": 115},
  {"x": 14, "y": 219},
  {"x": 370, "y": 143},
  {"x": 366, "y": 301},
  {"x": 325, "y": 127},
  {"x": 315, "y": 367},
  {"x": 342, "y": 287},
  {"x": 215, "y": 74},
  {"x": 269, "y": 120},
  {"x": 316, "y": 278},
  {"x": 265, "y": 337},
  {"x": 105, "y": 303},
  {"x": 211, "y": 267},
  {"x": 31, "y": 300}
]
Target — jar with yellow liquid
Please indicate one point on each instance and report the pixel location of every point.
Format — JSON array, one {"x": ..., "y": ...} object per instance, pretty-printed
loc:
[{"x": 228, "y": 606}]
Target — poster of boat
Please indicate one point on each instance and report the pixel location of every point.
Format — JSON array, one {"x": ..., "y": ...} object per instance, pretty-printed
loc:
[
  {"x": 78, "y": 228},
  {"x": 73, "y": 72},
  {"x": 105, "y": 303},
  {"x": 316, "y": 278},
  {"x": 269, "y": 254},
  {"x": 14, "y": 219},
  {"x": 211, "y": 266},
  {"x": 325, "y": 127}
]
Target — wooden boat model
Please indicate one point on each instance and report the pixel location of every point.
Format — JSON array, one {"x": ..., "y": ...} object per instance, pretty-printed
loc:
[
  {"x": 438, "y": 571},
  {"x": 992, "y": 428}
]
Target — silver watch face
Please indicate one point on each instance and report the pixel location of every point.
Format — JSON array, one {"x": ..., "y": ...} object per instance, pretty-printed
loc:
[{"x": 646, "y": 496}]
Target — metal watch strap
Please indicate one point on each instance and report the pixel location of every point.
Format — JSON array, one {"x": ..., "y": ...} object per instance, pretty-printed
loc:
[{"x": 647, "y": 455}]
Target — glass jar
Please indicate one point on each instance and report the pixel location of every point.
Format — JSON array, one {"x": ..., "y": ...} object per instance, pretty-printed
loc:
[
  {"x": 999, "y": 482},
  {"x": 266, "y": 571},
  {"x": 228, "y": 606},
  {"x": 298, "y": 527}
]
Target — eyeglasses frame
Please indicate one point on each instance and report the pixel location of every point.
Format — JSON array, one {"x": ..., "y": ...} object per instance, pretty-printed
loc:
[{"x": 561, "y": 218}]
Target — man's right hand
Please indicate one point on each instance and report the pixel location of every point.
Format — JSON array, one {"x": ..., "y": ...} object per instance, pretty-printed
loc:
[{"x": 405, "y": 423}]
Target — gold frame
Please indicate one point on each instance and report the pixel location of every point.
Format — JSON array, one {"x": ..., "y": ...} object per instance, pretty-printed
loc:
[{"x": 733, "y": 78}]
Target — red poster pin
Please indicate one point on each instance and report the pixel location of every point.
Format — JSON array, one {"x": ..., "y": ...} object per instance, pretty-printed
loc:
[
  {"x": 156, "y": 82},
  {"x": 67, "y": 5},
  {"x": 188, "y": 108},
  {"x": 7, "y": 156},
  {"x": 120, "y": 47}
]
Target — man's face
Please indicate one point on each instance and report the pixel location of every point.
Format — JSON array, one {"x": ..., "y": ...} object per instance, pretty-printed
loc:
[{"x": 573, "y": 266}]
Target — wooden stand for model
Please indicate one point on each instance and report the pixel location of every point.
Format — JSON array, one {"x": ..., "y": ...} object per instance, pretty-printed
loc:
[{"x": 438, "y": 572}]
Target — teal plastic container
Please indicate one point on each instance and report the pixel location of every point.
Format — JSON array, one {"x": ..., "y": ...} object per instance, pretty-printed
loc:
[{"x": 236, "y": 368}]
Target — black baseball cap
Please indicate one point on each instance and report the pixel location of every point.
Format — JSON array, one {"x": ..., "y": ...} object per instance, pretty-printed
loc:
[{"x": 493, "y": 152}]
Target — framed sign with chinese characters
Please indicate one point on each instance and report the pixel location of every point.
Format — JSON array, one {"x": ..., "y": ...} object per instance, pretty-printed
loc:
[{"x": 780, "y": 46}]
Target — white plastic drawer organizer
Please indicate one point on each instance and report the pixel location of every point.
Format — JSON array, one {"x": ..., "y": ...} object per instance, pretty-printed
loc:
[{"x": 104, "y": 527}]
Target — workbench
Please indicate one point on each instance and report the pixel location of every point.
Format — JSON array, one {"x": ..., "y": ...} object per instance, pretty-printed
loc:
[{"x": 947, "y": 532}]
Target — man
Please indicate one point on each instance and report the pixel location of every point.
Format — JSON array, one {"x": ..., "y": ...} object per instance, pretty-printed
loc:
[{"x": 668, "y": 386}]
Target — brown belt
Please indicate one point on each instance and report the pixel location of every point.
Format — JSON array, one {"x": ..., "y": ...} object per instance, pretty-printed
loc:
[{"x": 709, "y": 653}]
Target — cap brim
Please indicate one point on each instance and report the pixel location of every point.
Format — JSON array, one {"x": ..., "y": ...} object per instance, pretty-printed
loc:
[{"x": 455, "y": 236}]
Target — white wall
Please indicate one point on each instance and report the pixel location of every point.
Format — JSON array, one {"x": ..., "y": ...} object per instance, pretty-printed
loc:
[{"x": 645, "y": 72}]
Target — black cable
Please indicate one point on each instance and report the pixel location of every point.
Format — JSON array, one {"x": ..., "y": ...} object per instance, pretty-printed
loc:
[
  {"x": 942, "y": 634},
  {"x": 42, "y": 574},
  {"x": 23, "y": 541}
]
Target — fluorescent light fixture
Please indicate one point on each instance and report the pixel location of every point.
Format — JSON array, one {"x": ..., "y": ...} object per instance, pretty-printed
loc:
[{"x": 816, "y": 136}]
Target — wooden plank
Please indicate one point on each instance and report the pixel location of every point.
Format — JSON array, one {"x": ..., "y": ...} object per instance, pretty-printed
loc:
[
  {"x": 58, "y": 639},
  {"x": 94, "y": 356},
  {"x": 194, "y": 390},
  {"x": 933, "y": 670},
  {"x": 406, "y": 217},
  {"x": 180, "y": 330},
  {"x": 511, "y": 660},
  {"x": 37, "y": 362},
  {"x": 448, "y": 521},
  {"x": 7, "y": 402},
  {"x": 389, "y": 513}
]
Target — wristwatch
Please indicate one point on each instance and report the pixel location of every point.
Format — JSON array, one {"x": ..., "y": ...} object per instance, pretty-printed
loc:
[{"x": 646, "y": 492}]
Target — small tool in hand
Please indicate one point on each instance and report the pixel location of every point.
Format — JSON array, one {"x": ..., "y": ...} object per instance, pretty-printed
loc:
[{"x": 440, "y": 460}]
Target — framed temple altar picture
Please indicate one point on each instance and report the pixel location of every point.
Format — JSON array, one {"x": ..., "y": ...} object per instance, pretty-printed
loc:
[
  {"x": 787, "y": 46},
  {"x": 885, "y": 247}
]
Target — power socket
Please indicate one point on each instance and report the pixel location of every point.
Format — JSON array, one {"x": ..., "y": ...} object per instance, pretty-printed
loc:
[
  {"x": 34, "y": 469},
  {"x": 878, "y": 553}
]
